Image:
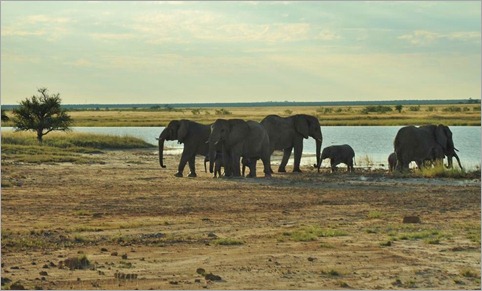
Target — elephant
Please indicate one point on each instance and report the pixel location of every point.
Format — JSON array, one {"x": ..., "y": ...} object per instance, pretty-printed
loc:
[
  {"x": 338, "y": 154},
  {"x": 435, "y": 157},
  {"x": 422, "y": 143},
  {"x": 218, "y": 164},
  {"x": 238, "y": 138},
  {"x": 392, "y": 162},
  {"x": 246, "y": 162},
  {"x": 193, "y": 135},
  {"x": 286, "y": 133}
]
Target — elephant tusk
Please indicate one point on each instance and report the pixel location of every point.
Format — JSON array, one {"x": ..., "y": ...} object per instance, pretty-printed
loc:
[
  {"x": 216, "y": 142},
  {"x": 456, "y": 149},
  {"x": 157, "y": 138}
]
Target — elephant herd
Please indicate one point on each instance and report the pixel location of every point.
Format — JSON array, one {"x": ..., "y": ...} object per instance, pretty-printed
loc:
[{"x": 232, "y": 143}]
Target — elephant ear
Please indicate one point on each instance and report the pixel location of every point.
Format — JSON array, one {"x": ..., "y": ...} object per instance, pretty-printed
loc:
[
  {"x": 301, "y": 125},
  {"x": 183, "y": 130},
  {"x": 441, "y": 136}
]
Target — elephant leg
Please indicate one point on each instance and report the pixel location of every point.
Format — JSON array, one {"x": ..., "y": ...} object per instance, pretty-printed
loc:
[
  {"x": 333, "y": 165},
  {"x": 284, "y": 161},
  {"x": 350, "y": 166},
  {"x": 192, "y": 167},
  {"x": 182, "y": 163},
  {"x": 298, "y": 152},
  {"x": 267, "y": 167},
  {"x": 252, "y": 169}
]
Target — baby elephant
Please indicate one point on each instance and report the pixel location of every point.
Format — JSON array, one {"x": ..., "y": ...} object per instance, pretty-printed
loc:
[
  {"x": 218, "y": 164},
  {"x": 392, "y": 162},
  {"x": 339, "y": 154}
]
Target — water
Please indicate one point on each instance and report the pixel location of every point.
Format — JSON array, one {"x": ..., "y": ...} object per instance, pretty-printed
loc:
[{"x": 372, "y": 144}]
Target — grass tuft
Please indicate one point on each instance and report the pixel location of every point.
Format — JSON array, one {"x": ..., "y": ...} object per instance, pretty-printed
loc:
[
  {"x": 312, "y": 233},
  {"x": 228, "y": 242}
]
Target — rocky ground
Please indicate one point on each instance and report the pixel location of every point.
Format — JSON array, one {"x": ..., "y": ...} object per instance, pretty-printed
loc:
[{"x": 126, "y": 223}]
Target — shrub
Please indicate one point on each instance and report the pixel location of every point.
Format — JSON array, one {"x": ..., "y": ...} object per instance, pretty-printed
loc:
[
  {"x": 222, "y": 111},
  {"x": 376, "y": 109},
  {"x": 452, "y": 109},
  {"x": 414, "y": 108}
]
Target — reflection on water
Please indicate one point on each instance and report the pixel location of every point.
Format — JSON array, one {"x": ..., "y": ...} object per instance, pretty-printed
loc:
[{"x": 372, "y": 144}]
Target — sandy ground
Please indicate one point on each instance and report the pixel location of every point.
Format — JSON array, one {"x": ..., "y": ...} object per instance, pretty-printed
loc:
[{"x": 141, "y": 228}]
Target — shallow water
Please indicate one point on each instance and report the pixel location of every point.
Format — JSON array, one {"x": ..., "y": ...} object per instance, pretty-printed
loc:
[{"x": 372, "y": 144}]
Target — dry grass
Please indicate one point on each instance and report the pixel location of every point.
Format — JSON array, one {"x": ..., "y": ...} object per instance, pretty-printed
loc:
[
  {"x": 463, "y": 114},
  {"x": 141, "y": 227}
]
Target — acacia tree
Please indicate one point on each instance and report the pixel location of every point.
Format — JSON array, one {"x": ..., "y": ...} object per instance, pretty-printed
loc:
[{"x": 41, "y": 114}]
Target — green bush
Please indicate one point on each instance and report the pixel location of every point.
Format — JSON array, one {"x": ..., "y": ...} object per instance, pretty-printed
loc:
[{"x": 376, "y": 109}]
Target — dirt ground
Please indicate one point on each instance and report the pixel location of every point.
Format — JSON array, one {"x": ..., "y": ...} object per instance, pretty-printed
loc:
[{"x": 129, "y": 224}]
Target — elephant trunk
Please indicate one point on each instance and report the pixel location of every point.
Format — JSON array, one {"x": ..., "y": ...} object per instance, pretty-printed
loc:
[
  {"x": 161, "y": 152},
  {"x": 318, "y": 155},
  {"x": 458, "y": 160}
]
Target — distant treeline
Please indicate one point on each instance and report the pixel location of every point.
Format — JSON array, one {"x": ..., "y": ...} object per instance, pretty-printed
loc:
[{"x": 259, "y": 104}]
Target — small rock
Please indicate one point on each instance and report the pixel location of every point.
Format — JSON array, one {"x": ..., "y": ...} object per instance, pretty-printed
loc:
[
  {"x": 17, "y": 286},
  {"x": 311, "y": 259},
  {"x": 124, "y": 256},
  {"x": 43, "y": 273},
  {"x": 212, "y": 277},
  {"x": 114, "y": 254},
  {"x": 103, "y": 250},
  {"x": 411, "y": 219},
  {"x": 200, "y": 271},
  {"x": 212, "y": 234}
]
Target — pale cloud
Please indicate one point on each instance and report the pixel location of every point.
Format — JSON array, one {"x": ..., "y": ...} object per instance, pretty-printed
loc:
[
  {"x": 112, "y": 36},
  {"x": 424, "y": 37},
  {"x": 48, "y": 27},
  {"x": 189, "y": 25}
]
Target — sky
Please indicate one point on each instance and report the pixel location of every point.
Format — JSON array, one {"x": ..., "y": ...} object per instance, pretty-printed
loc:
[{"x": 185, "y": 52}]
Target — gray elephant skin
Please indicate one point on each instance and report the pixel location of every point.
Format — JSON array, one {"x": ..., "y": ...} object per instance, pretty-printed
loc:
[
  {"x": 392, "y": 162},
  {"x": 193, "y": 135},
  {"x": 286, "y": 133},
  {"x": 338, "y": 154},
  {"x": 219, "y": 163},
  {"x": 238, "y": 138},
  {"x": 429, "y": 142}
]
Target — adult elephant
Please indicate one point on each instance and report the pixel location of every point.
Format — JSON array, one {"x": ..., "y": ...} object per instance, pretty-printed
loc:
[
  {"x": 238, "y": 138},
  {"x": 424, "y": 143},
  {"x": 193, "y": 135},
  {"x": 286, "y": 133}
]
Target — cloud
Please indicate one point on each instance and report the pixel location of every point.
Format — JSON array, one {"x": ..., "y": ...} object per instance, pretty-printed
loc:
[
  {"x": 48, "y": 27},
  {"x": 424, "y": 37},
  {"x": 186, "y": 26}
]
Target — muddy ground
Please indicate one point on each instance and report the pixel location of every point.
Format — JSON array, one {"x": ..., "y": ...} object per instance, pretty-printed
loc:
[{"x": 129, "y": 224}]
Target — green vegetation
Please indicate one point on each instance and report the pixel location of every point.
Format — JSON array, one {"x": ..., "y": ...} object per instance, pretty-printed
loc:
[
  {"x": 63, "y": 147},
  {"x": 415, "y": 232},
  {"x": 41, "y": 114},
  {"x": 441, "y": 172},
  {"x": 377, "y": 109},
  {"x": 375, "y": 214},
  {"x": 312, "y": 233}
]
